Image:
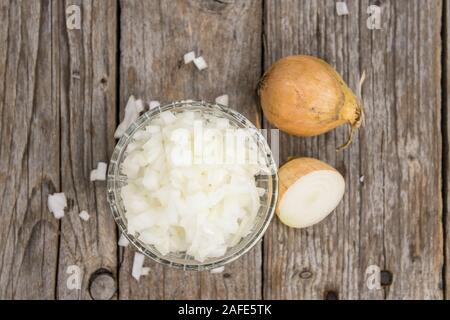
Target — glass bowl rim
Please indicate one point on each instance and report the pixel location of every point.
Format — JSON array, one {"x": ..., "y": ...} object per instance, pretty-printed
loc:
[{"x": 114, "y": 167}]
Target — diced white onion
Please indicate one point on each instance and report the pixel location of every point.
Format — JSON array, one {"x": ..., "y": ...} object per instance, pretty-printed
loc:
[
  {"x": 189, "y": 57},
  {"x": 84, "y": 215},
  {"x": 218, "y": 270},
  {"x": 56, "y": 203},
  {"x": 177, "y": 205},
  {"x": 223, "y": 100},
  {"x": 145, "y": 271},
  {"x": 139, "y": 105},
  {"x": 341, "y": 8},
  {"x": 99, "y": 174},
  {"x": 138, "y": 263},
  {"x": 132, "y": 110},
  {"x": 168, "y": 117},
  {"x": 123, "y": 241},
  {"x": 200, "y": 63},
  {"x": 153, "y": 104}
]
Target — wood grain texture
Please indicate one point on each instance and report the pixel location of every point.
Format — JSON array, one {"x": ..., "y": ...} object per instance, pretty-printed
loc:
[
  {"x": 446, "y": 138},
  {"x": 29, "y": 151},
  {"x": 154, "y": 37},
  {"x": 393, "y": 218},
  {"x": 87, "y": 84},
  {"x": 58, "y": 113}
]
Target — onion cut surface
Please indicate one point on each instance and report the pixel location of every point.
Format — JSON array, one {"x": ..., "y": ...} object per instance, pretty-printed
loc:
[{"x": 309, "y": 191}]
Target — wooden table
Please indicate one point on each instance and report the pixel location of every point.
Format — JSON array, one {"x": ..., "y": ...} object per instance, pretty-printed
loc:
[{"x": 63, "y": 92}]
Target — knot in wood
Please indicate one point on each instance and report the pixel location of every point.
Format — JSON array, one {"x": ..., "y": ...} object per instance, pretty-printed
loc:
[{"x": 102, "y": 285}]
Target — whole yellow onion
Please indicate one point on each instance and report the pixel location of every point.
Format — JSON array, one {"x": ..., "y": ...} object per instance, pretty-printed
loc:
[{"x": 304, "y": 96}]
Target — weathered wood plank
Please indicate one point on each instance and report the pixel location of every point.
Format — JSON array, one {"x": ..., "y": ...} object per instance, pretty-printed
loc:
[
  {"x": 29, "y": 151},
  {"x": 88, "y": 119},
  {"x": 446, "y": 132},
  {"x": 154, "y": 37},
  {"x": 393, "y": 218}
]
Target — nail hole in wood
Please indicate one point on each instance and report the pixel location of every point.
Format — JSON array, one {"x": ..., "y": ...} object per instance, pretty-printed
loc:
[
  {"x": 75, "y": 75},
  {"x": 103, "y": 81},
  {"x": 386, "y": 278},
  {"x": 102, "y": 285},
  {"x": 226, "y": 275},
  {"x": 331, "y": 295},
  {"x": 215, "y": 5},
  {"x": 305, "y": 274}
]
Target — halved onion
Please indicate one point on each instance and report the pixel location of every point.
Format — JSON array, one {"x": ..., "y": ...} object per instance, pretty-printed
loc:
[{"x": 309, "y": 191}]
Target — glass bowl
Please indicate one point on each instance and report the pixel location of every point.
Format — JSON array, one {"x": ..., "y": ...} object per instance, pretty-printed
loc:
[{"x": 269, "y": 182}]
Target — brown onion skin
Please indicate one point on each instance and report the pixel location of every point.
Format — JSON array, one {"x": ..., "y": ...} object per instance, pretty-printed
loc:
[{"x": 304, "y": 96}]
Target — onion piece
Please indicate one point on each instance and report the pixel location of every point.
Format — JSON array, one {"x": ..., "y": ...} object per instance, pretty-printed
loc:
[
  {"x": 341, "y": 8},
  {"x": 189, "y": 57},
  {"x": 138, "y": 263},
  {"x": 168, "y": 117},
  {"x": 145, "y": 271},
  {"x": 200, "y": 63},
  {"x": 132, "y": 110},
  {"x": 151, "y": 180},
  {"x": 309, "y": 190},
  {"x": 84, "y": 215},
  {"x": 56, "y": 203},
  {"x": 99, "y": 174},
  {"x": 218, "y": 270},
  {"x": 223, "y": 100},
  {"x": 123, "y": 241},
  {"x": 153, "y": 104}
]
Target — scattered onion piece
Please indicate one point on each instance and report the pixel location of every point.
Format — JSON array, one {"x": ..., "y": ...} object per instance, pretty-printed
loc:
[
  {"x": 123, "y": 241},
  {"x": 132, "y": 110},
  {"x": 99, "y": 174},
  {"x": 218, "y": 270},
  {"x": 200, "y": 63},
  {"x": 138, "y": 263},
  {"x": 84, "y": 215},
  {"x": 168, "y": 117},
  {"x": 145, "y": 271},
  {"x": 56, "y": 203},
  {"x": 223, "y": 100},
  {"x": 341, "y": 8},
  {"x": 153, "y": 104},
  {"x": 189, "y": 57},
  {"x": 361, "y": 179}
]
